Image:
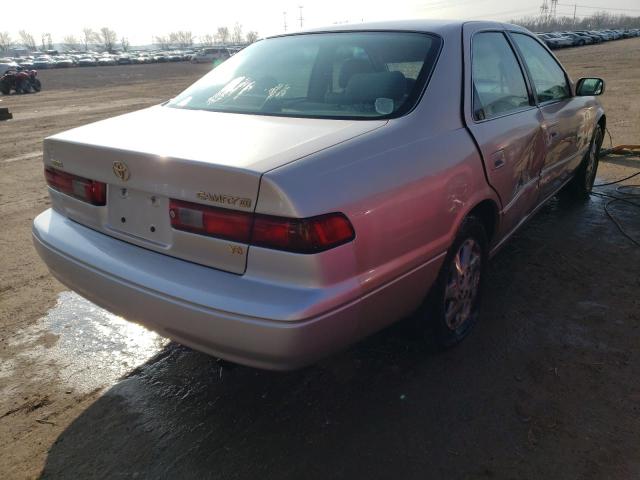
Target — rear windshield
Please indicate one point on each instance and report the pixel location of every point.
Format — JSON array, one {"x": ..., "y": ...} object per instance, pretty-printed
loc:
[{"x": 326, "y": 75}]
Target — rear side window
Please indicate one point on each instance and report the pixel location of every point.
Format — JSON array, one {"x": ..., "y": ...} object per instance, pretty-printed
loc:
[
  {"x": 498, "y": 82},
  {"x": 548, "y": 78}
]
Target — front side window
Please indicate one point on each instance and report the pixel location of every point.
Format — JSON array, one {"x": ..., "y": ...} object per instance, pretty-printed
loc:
[
  {"x": 548, "y": 78},
  {"x": 498, "y": 83},
  {"x": 325, "y": 75}
]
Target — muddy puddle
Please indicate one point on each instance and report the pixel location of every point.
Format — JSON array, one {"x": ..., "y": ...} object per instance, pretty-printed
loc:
[{"x": 81, "y": 344}]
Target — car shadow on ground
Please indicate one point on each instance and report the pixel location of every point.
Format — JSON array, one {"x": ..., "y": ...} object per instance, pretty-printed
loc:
[{"x": 516, "y": 400}]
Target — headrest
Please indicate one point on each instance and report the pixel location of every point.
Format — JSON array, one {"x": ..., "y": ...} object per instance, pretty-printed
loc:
[
  {"x": 367, "y": 87},
  {"x": 352, "y": 67}
]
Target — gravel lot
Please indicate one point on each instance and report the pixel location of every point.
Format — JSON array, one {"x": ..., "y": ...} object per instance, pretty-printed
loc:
[{"x": 548, "y": 385}]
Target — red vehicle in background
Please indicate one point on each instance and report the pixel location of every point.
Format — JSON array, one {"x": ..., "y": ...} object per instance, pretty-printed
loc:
[{"x": 20, "y": 80}]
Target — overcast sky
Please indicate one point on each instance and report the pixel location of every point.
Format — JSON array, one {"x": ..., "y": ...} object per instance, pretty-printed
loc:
[{"x": 141, "y": 20}]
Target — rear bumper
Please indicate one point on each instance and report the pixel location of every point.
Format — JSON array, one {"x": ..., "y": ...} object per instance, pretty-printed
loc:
[{"x": 223, "y": 314}]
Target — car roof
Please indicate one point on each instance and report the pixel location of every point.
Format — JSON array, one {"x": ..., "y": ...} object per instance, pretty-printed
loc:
[{"x": 439, "y": 27}]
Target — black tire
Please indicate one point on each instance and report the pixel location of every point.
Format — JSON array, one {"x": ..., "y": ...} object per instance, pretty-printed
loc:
[
  {"x": 450, "y": 313},
  {"x": 36, "y": 84},
  {"x": 26, "y": 86},
  {"x": 581, "y": 184},
  {"x": 5, "y": 88}
]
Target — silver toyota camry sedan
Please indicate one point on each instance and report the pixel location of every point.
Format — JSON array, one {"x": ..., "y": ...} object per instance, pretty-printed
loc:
[{"x": 317, "y": 187}]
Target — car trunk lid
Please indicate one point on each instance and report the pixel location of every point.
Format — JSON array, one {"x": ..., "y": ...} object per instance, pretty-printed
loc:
[{"x": 150, "y": 156}]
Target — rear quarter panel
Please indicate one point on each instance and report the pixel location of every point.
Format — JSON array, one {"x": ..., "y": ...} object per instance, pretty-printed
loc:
[{"x": 405, "y": 187}]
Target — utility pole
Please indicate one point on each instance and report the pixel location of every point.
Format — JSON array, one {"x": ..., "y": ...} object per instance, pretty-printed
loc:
[
  {"x": 544, "y": 9},
  {"x": 284, "y": 16},
  {"x": 574, "y": 14},
  {"x": 300, "y": 7},
  {"x": 544, "y": 14}
]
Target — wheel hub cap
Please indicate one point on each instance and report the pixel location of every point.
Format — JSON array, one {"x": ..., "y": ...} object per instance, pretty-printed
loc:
[
  {"x": 591, "y": 164},
  {"x": 463, "y": 283}
]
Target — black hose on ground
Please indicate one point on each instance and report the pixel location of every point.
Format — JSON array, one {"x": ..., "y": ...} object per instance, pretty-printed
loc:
[{"x": 628, "y": 193}]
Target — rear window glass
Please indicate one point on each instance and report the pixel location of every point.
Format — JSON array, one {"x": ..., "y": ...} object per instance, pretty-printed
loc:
[{"x": 326, "y": 75}]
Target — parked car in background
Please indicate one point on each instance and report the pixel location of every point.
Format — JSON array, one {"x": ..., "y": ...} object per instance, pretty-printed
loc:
[
  {"x": 63, "y": 62},
  {"x": 211, "y": 55},
  {"x": 26, "y": 62},
  {"x": 553, "y": 41},
  {"x": 578, "y": 39},
  {"x": 595, "y": 38},
  {"x": 271, "y": 217},
  {"x": 613, "y": 34},
  {"x": 7, "y": 65},
  {"x": 43, "y": 62},
  {"x": 106, "y": 60},
  {"x": 562, "y": 40},
  {"x": 124, "y": 60},
  {"x": 87, "y": 62}
]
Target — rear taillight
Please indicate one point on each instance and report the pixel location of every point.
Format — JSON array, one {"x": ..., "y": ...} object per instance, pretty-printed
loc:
[
  {"x": 302, "y": 235},
  {"x": 215, "y": 222},
  {"x": 299, "y": 235},
  {"x": 90, "y": 191}
]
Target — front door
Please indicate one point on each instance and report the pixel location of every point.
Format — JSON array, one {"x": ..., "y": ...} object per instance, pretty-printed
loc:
[{"x": 560, "y": 112}]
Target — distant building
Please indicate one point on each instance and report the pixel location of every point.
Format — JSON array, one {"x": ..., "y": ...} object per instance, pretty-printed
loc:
[{"x": 18, "y": 52}]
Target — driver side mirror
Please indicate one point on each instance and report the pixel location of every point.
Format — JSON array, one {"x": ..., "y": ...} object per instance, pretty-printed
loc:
[{"x": 589, "y": 86}]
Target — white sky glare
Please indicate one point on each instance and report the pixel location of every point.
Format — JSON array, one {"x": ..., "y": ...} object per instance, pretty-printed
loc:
[{"x": 141, "y": 20}]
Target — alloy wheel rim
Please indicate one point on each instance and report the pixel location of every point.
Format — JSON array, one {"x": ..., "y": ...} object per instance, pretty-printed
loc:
[{"x": 463, "y": 283}]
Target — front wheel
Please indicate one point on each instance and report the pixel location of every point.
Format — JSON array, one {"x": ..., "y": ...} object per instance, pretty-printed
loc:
[
  {"x": 5, "y": 88},
  {"x": 453, "y": 305},
  {"x": 26, "y": 87},
  {"x": 582, "y": 183},
  {"x": 36, "y": 84}
]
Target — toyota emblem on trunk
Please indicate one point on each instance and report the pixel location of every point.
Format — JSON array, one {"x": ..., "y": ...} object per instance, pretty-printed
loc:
[{"x": 121, "y": 170}]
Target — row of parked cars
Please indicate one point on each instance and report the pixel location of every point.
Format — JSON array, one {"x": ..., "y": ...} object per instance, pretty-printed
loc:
[
  {"x": 578, "y": 38},
  {"x": 92, "y": 59}
]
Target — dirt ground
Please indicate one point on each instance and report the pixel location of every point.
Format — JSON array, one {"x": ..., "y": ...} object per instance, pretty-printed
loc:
[{"x": 547, "y": 386}]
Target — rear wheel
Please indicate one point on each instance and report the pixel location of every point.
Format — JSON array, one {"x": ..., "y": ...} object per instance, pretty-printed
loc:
[
  {"x": 453, "y": 305},
  {"x": 37, "y": 85},
  {"x": 582, "y": 183},
  {"x": 5, "y": 88}
]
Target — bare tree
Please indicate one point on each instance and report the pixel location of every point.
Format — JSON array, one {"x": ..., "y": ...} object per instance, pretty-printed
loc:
[
  {"x": 125, "y": 44},
  {"x": 108, "y": 38},
  {"x": 88, "y": 37},
  {"x": 70, "y": 42},
  {"x": 252, "y": 36},
  {"x": 237, "y": 33},
  {"x": 208, "y": 39},
  {"x": 5, "y": 41},
  {"x": 163, "y": 42},
  {"x": 47, "y": 42},
  {"x": 27, "y": 40},
  {"x": 181, "y": 39},
  {"x": 222, "y": 35}
]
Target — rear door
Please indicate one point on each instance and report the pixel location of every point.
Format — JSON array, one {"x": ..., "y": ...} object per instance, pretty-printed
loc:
[
  {"x": 501, "y": 115},
  {"x": 561, "y": 112}
]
